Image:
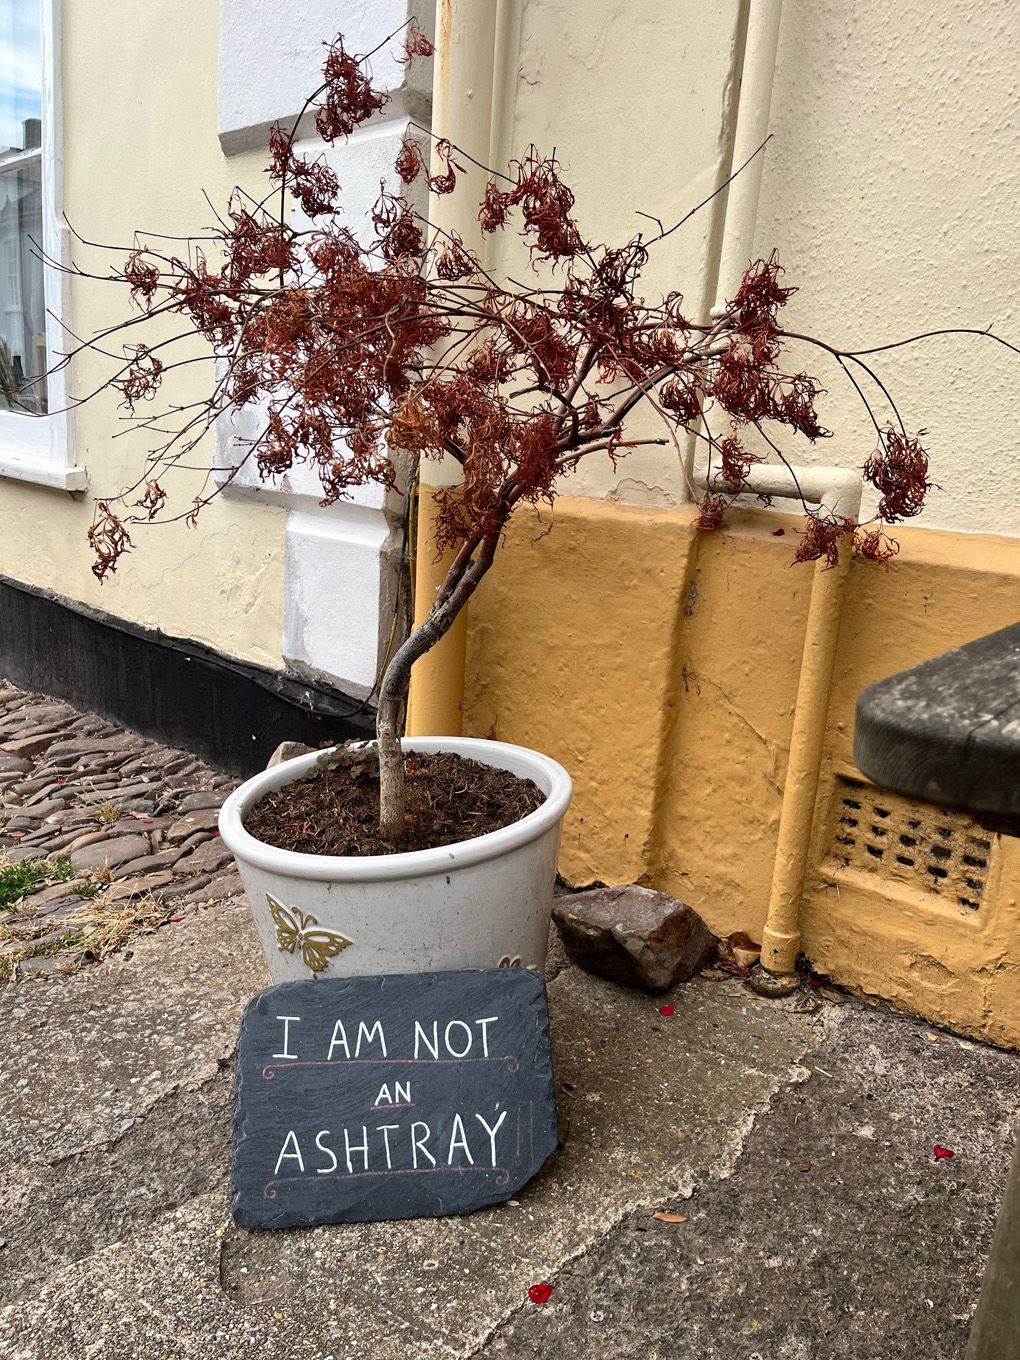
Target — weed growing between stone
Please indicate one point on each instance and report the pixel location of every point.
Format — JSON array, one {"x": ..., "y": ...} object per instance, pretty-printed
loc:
[{"x": 30, "y": 875}]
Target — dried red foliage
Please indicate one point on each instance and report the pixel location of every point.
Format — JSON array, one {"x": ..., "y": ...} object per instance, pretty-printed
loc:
[
  {"x": 410, "y": 162},
  {"x": 545, "y": 205},
  {"x": 348, "y": 98},
  {"x": 445, "y": 181},
  {"x": 874, "y": 545},
  {"x": 312, "y": 182},
  {"x": 899, "y": 470},
  {"x": 416, "y": 44},
  {"x": 153, "y": 500},
  {"x": 108, "y": 539},
  {"x": 735, "y": 461},
  {"x": 353, "y": 350},
  {"x": 141, "y": 379},
  {"x": 143, "y": 276},
  {"x": 822, "y": 537},
  {"x": 711, "y": 510}
]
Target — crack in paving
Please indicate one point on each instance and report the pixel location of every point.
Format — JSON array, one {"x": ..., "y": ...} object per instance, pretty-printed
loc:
[
  {"x": 114, "y": 1189},
  {"x": 651, "y": 1112},
  {"x": 837, "y": 1234}
]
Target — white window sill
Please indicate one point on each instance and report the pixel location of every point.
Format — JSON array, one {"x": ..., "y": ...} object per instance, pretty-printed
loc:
[{"x": 41, "y": 471}]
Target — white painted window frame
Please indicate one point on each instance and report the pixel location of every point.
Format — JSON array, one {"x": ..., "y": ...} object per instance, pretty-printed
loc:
[{"x": 40, "y": 449}]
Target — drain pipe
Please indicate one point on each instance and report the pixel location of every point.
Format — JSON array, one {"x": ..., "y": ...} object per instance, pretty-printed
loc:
[
  {"x": 462, "y": 101},
  {"x": 836, "y": 491},
  {"x": 757, "y": 76}
]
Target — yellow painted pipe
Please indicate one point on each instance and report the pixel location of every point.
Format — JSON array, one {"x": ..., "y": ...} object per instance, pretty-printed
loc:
[
  {"x": 462, "y": 100},
  {"x": 435, "y": 705},
  {"x": 781, "y": 936}
]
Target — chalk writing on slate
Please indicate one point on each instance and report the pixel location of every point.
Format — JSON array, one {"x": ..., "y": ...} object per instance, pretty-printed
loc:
[{"x": 408, "y": 1096}]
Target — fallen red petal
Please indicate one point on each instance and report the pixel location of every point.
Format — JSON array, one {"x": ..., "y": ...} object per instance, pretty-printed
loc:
[
  {"x": 941, "y": 1152},
  {"x": 539, "y": 1293},
  {"x": 778, "y": 533},
  {"x": 666, "y": 1010}
]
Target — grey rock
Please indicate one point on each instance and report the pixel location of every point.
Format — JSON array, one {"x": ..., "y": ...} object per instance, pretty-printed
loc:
[
  {"x": 198, "y": 802},
  {"x": 29, "y": 746},
  {"x": 228, "y": 885},
  {"x": 55, "y": 892},
  {"x": 147, "y": 864},
  {"x": 23, "y": 823},
  {"x": 181, "y": 888},
  {"x": 13, "y": 764},
  {"x": 199, "y": 819},
  {"x": 59, "y": 908},
  {"x": 41, "y": 965},
  {"x": 287, "y": 750},
  {"x": 82, "y": 838},
  {"x": 57, "y": 842},
  {"x": 43, "y": 809},
  {"x": 16, "y": 853},
  {"x": 111, "y": 853},
  {"x": 141, "y": 887},
  {"x": 199, "y": 838},
  {"x": 634, "y": 935},
  {"x": 212, "y": 890},
  {"x": 204, "y": 859}
]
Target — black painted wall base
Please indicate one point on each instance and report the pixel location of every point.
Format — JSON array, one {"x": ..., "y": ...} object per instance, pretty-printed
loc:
[{"x": 232, "y": 714}]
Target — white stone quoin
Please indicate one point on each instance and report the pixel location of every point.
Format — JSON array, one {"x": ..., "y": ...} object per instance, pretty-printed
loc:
[{"x": 342, "y": 562}]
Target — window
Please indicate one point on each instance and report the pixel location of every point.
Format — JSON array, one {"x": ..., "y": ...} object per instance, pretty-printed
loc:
[
  {"x": 35, "y": 428},
  {"x": 23, "y": 311}
]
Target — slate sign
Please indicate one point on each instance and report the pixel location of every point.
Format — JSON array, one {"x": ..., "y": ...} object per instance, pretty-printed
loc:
[{"x": 408, "y": 1096}]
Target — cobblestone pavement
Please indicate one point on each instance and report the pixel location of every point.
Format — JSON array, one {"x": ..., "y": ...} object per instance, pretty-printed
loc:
[{"x": 128, "y": 828}]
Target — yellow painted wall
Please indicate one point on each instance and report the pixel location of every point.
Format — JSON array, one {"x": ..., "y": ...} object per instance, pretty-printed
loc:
[
  {"x": 660, "y": 667},
  {"x": 141, "y": 160}
]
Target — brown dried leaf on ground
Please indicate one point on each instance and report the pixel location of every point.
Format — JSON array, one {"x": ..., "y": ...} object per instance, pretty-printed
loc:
[
  {"x": 670, "y": 1218},
  {"x": 744, "y": 950},
  {"x": 737, "y": 955}
]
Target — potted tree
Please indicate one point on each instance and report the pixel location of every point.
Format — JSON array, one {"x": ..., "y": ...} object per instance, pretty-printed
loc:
[{"x": 361, "y": 353}]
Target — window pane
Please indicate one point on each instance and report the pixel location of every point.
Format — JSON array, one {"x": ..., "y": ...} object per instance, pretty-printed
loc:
[
  {"x": 20, "y": 76},
  {"x": 22, "y": 308}
]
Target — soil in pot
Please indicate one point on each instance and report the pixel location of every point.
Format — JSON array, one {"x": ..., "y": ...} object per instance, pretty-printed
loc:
[{"x": 336, "y": 812}]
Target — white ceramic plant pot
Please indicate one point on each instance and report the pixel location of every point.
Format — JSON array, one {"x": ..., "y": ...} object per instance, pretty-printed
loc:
[{"x": 481, "y": 903}]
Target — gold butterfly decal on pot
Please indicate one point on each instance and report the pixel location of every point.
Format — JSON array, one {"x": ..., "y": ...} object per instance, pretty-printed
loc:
[{"x": 293, "y": 927}]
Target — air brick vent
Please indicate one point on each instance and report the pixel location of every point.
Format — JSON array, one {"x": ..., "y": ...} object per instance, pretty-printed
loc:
[{"x": 884, "y": 833}]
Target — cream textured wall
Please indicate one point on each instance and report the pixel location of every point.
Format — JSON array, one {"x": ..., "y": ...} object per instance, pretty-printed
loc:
[
  {"x": 892, "y": 191},
  {"x": 140, "y": 146},
  {"x": 636, "y": 98}
]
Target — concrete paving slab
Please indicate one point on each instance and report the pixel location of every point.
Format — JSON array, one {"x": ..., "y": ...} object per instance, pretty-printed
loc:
[
  {"x": 150, "y": 1263},
  {"x": 840, "y": 1237},
  {"x": 86, "y": 1055},
  {"x": 796, "y": 1138}
]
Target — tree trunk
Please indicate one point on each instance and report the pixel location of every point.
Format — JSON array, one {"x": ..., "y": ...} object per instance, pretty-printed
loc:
[{"x": 453, "y": 595}]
